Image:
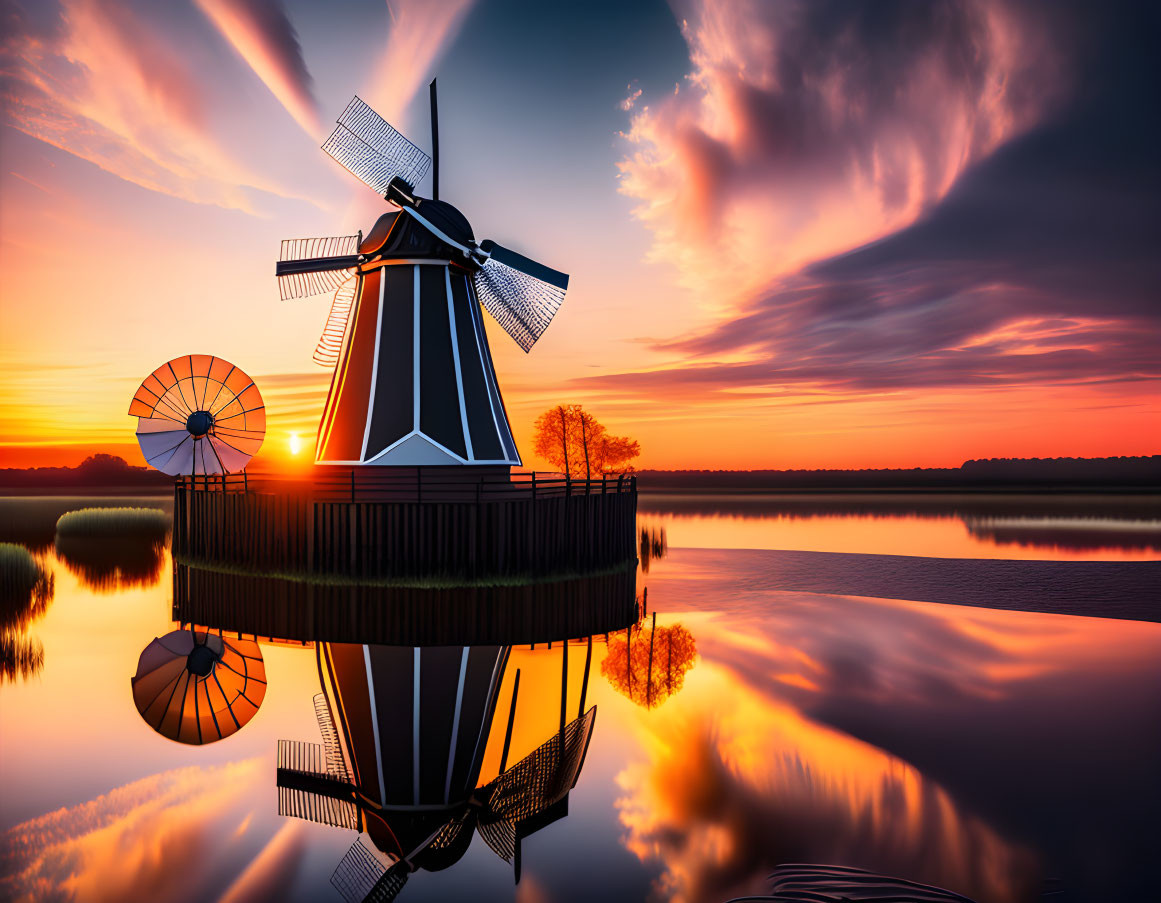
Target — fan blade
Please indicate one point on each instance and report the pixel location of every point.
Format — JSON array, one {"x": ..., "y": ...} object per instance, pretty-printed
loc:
[
  {"x": 330, "y": 344},
  {"x": 525, "y": 265},
  {"x": 314, "y": 266},
  {"x": 520, "y": 293},
  {"x": 372, "y": 151},
  {"x": 361, "y": 878}
]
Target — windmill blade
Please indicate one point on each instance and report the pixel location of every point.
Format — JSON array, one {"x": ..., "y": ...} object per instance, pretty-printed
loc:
[
  {"x": 330, "y": 344},
  {"x": 361, "y": 878},
  {"x": 336, "y": 766},
  {"x": 372, "y": 151},
  {"x": 520, "y": 293},
  {"x": 314, "y": 266},
  {"x": 528, "y": 791}
]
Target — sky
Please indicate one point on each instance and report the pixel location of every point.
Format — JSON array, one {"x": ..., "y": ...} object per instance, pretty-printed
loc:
[{"x": 799, "y": 234}]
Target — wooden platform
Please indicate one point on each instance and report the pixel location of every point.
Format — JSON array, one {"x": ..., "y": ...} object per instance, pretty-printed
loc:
[{"x": 361, "y": 524}]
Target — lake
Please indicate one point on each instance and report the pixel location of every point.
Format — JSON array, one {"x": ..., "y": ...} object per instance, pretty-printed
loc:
[{"x": 828, "y": 702}]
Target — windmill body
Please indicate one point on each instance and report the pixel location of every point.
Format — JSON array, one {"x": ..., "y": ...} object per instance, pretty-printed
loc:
[
  {"x": 413, "y": 383},
  {"x": 404, "y": 732}
]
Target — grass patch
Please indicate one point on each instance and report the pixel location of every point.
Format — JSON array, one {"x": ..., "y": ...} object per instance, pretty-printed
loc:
[
  {"x": 114, "y": 523},
  {"x": 26, "y": 586},
  {"x": 20, "y": 656},
  {"x": 435, "y": 581}
]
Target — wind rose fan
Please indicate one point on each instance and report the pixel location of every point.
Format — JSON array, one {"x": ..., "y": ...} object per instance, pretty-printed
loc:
[
  {"x": 196, "y": 686},
  {"x": 198, "y": 414}
]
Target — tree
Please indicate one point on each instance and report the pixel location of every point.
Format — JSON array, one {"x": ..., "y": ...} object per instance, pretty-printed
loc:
[
  {"x": 649, "y": 665},
  {"x": 577, "y": 444}
]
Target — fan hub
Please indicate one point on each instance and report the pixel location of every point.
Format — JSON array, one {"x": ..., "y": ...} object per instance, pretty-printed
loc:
[
  {"x": 201, "y": 660},
  {"x": 199, "y": 423}
]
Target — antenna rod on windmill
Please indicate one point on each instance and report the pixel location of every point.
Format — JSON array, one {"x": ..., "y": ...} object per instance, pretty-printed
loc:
[{"x": 434, "y": 143}]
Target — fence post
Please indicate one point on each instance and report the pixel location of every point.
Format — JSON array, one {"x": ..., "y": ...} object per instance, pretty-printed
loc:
[
  {"x": 534, "y": 484},
  {"x": 352, "y": 485}
]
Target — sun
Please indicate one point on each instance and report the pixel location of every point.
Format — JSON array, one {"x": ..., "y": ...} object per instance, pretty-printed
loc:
[{"x": 294, "y": 443}]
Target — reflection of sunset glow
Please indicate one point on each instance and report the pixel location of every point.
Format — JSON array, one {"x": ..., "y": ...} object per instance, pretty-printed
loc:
[
  {"x": 144, "y": 840},
  {"x": 895, "y": 534},
  {"x": 727, "y": 792}
]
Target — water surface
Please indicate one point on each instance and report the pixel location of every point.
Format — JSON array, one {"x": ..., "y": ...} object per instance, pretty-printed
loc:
[{"x": 977, "y": 749}]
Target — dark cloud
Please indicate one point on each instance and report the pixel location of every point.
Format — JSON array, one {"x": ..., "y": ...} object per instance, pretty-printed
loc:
[{"x": 1039, "y": 266}]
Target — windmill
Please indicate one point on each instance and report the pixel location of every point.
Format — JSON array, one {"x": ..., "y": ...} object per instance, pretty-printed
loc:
[
  {"x": 404, "y": 732},
  {"x": 198, "y": 413},
  {"x": 413, "y": 381}
]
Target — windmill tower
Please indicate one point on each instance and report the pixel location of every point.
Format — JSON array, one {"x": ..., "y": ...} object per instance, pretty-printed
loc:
[
  {"x": 404, "y": 733},
  {"x": 414, "y": 383}
]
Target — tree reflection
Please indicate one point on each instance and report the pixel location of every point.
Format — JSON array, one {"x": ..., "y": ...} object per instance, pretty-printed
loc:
[
  {"x": 649, "y": 665},
  {"x": 654, "y": 545},
  {"x": 26, "y": 590}
]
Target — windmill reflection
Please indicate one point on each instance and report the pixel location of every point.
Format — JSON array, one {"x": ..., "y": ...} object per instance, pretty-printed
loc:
[{"x": 404, "y": 735}]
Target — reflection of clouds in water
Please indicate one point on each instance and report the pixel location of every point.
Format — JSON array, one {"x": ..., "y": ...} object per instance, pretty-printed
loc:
[
  {"x": 146, "y": 840},
  {"x": 109, "y": 565},
  {"x": 273, "y": 871},
  {"x": 729, "y": 792},
  {"x": 893, "y": 653}
]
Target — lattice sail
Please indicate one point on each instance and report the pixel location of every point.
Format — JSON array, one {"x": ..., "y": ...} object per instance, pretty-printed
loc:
[
  {"x": 535, "y": 784},
  {"x": 522, "y": 304},
  {"x": 330, "y": 343},
  {"x": 361, "y": 878},
  {"x": 321, "y": 266},
  {"x": 307, "y": 760},
  {"x": 336, "y": 765},
  {"x": 371, "y": 150}
]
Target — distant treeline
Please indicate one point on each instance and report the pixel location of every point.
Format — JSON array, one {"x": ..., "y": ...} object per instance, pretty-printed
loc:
[
  {"x": 111, "y": 472},
  {"x": 96, "y": 471},
  {"x": 990, "y": 473}
]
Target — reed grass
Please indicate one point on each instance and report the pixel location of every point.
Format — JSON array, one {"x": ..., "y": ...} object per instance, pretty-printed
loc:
[
  {"x": 20, "y": 656},
  {"x": 26, "y": 586},
  {"x": 114, "y": 523}
]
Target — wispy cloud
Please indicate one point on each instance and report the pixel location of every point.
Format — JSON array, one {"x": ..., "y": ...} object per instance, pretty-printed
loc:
[
  {"x": 112, "y": 84},
  {"x": 262, "y": 34},
  {"x": 419, "y": 32}
]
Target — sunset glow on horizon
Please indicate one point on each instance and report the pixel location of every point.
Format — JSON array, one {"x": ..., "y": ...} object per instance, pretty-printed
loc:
[{"x": 797, "y": 236}]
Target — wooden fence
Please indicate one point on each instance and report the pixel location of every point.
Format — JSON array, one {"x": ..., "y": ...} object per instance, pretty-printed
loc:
[
  {"x": 407, "y": 525},
  {"x": 464, "y": 616}
]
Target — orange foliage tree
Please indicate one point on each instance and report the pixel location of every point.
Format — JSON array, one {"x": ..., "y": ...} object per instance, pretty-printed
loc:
[
  {"x": 576, "y": 443},
  {"x": 649, "y": 665}
]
